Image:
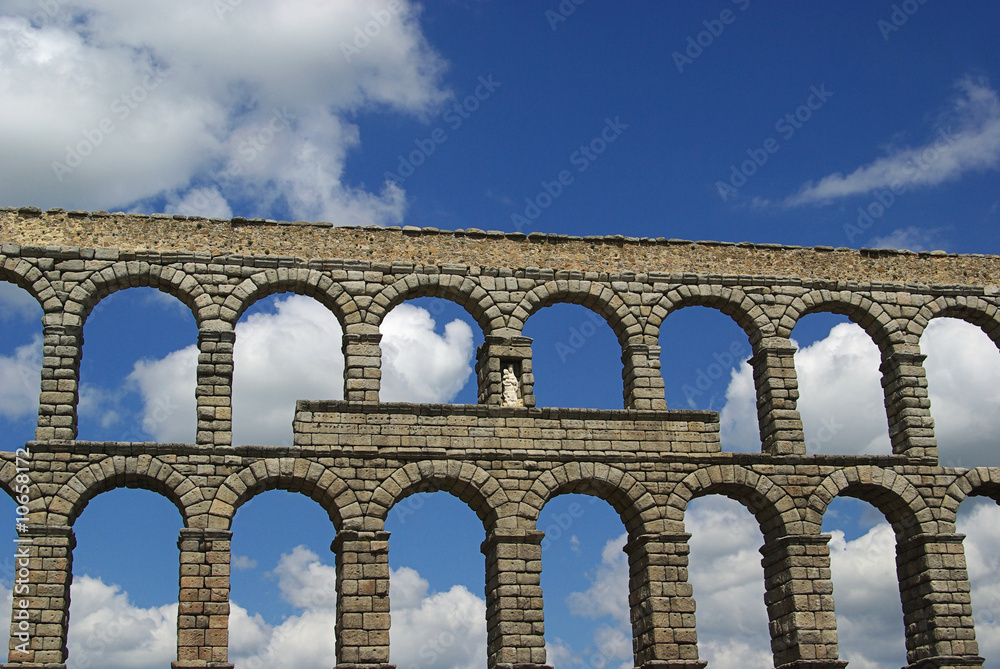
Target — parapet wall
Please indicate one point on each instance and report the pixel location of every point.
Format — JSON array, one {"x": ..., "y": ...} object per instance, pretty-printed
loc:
[
  {"x": 431, "y": 247},
  {"x": 505, "y": 457}
]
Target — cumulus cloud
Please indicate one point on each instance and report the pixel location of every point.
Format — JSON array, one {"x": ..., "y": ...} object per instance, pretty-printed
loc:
[
  {"x": 910, "y": 238},
  {"x": 17, "y": 304},
  {"x": 842, "y": 403},
  {"x": 430, "y": 630},
  {"x": 728, "y": 583},
  {"x": 108, "y": 104},
  {"x": 967, "y": 139},
  {"x": 838, "y": 378},
  {"x": 418, "y": 365},
  {"x": 962, "y": 367},
  {"x": 108, "y": 630},
  {"x": 20, "y": 380}
]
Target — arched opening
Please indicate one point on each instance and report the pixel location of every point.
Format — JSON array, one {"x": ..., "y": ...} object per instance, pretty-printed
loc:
[
  {"x": 728, "y": 583},
  {"x": 703, "y": 358},
  {"x": 841, "y": 400},
  {"x": 962, "y": 367},
  {"x": 585, "y": 578},
  {"x": 436, "y": 583},
  {"x": 123, "y": 600},
  {"x": 865, "y": 584},
  {"x": 428, "y": 348},
  {"x": 137, "y": 372},
  {"x": 283, "y": 583},
  {"x": 20, "y": 365},
  {"x": 576, "y": 358},
  {"x": 979, "y": 520},
  {"x": 288, "y": 348}
]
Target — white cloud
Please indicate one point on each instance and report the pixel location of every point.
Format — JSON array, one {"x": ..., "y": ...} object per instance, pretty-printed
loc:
[
  {"x": 842, "y": 403},
  {"x": 967, "y": 140},
  {"x": 242, "y": 562},
  {"x": 838, "y": 377},
  {"x": 208, "y": 202},
  {"x": 444, "y": 630},
  {"x": 962, "y": 367},
  {"x": 17, "y": 303},
  {"x": 110, "y": 631},
  {"x": 728, "y": 583},
  {"x": 606, "y": 596},
  {"x": 20, "y": 380},
  {"x": 866, "y": 595},
  {"x": 203, "y": 104},
  {"x": 419, "y": 365},
  {"x": 910, "y": 238}
]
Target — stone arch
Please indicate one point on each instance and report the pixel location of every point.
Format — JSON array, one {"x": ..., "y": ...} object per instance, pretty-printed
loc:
[
  {"x": 25, "y": 275},
  {"x": 291, "y": 474},
  {"x": 970, "y": 309},
  {"x": 7, "y": 474},
  {"x": 300, "y": 281},
  {"x": 629, "y": 497},
  {"x": 470, "y": 483},
  {"x": 597, "y": 297},
  {"x": 863, "y": 311},
  {"x": 461, "y": 290},
  {"x": 979, "y": 481},
  {"x": 136, "y": 274},
  {"x": 731, "y": 301},
  {"x": 143, "y": 471},
  {"x": 889, "y": 492},
  {"x": 769, "y": 503}
]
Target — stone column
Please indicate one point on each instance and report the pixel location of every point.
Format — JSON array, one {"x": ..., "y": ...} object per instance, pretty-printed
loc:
[
  {"x": 643, "y": 381},
  {"x": 937, "y": 607},
  {"x": 40, "y": 616},
  {"x": 362, "y": 599},
  {"x": 907, "y": 406},
  {"x": 492, "y": 357},
  {"x": 214, "y": 391},
  {"x": 799, "y": 599},
  {"x": 661, "y": 602},
  {"x": 203, "y": 611},
  {"x": 515, "y": 626},
  {"x": 777, "y": 386},
  {"x": 362, "y": 366},
  {"x": 62, "y": 347}
]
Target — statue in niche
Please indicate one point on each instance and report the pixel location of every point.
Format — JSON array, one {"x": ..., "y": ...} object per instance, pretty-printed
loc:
[{"x": 511, "y": 388}]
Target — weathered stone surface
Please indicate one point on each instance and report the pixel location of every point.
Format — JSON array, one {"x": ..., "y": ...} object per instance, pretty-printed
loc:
[{"x": 359, "y": 457}]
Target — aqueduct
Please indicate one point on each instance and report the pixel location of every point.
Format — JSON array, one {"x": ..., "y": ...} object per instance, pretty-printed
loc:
[{"x": 359, "y": 457}]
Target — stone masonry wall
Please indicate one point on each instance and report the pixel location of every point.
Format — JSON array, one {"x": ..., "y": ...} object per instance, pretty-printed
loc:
[{"x": 358, "y": 457}]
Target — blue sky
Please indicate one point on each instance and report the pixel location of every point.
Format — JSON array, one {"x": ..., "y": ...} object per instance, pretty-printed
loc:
[{"x": 855, "y": 124}]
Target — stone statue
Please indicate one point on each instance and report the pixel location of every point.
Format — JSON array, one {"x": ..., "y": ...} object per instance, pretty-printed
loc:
[{"x": 511, "y": 388}]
